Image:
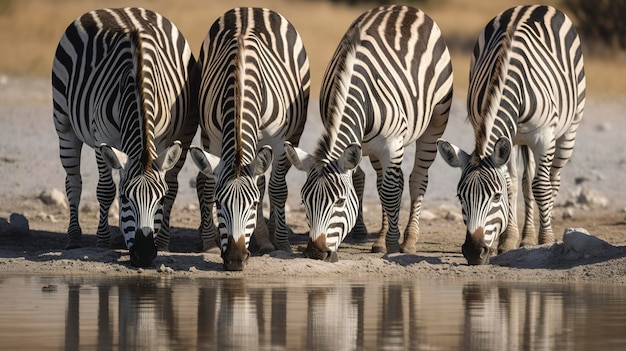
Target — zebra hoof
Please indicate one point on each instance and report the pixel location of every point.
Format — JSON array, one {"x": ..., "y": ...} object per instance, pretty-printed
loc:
[
  {"x": 528, "y": 243},
  {"x": 266, "y": 248},
  {"x": 72, "y": 245},
  {"x": 410, "y": 249},
  {"x": 332, "y": 257},
  {"x": 379, "y": 249}
]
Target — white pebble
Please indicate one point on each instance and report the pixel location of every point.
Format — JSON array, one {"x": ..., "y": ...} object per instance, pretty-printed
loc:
[{"x": 54, "y": 197}]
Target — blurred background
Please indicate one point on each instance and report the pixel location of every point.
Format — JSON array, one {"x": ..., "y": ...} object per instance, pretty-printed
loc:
[{"x": 30, "y": 30}]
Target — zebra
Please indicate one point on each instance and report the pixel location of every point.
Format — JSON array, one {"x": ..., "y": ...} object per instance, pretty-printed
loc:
[
  {"x": 254, "y": 94},
  {"x": 389, "y": 84},
  {"x": 122, "y": 82},
  {"x": 527, "y": 88}
]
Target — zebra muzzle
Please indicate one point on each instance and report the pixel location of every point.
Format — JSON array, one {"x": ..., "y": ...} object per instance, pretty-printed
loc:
[
  {"x": 475, "y": 249},
  {"x": 144, "y": 250},
  {"x": 236, "y": 254},
  {"x": 318, "y": 250}
]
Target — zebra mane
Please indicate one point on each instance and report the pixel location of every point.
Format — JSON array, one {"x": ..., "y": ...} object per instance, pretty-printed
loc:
[
  {"x": 148, "y": 152},
  {"x": 336, "y": 85},
  {"x": 240, "y": 60},
  {"x": 493, "y": 94}
]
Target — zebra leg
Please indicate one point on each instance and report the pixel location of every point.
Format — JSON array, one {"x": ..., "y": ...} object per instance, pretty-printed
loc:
[
  {"x": 278, "y": 197},
  {"x": 543, "y": 191},
  {"x": 70, "y": 150},
  {"x": 205, "y": 189},
  {"x": 509, "y": 239},
  {"x": 425, "y": 153},
  {"x": 380, "y": 245},
  {"x": 264, "y": 231},
  {"x": 390, "y": 198},
  {"x": 529, "y": 234},
  {"x": 390, "y": 193},
  {"x": 162, "y": 239},
  {"x": 359, "y": 231},
  {"x": 105, "y": 193}
]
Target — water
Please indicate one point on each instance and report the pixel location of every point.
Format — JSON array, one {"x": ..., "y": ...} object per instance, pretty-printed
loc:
[{"x": 298, "y": 314}]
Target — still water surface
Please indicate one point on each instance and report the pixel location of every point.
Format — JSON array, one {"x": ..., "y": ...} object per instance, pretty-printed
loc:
[{"x": 298, "y": 314}]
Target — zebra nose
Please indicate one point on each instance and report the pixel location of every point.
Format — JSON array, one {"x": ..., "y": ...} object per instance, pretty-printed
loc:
[
  {"x": 317, "y": 249},
  {"x": 236, "y": 254},
  {"x": 143, "y": 251},
  {"x": 474, "y": 249}
]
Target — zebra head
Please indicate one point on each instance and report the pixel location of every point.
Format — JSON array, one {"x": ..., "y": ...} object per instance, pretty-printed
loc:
[
  {"x": 141, "y": 197},
  {"x": 483, "y": 193},
  {"x": 236, "y": 199},
  {"x": 330, "y": 200}
]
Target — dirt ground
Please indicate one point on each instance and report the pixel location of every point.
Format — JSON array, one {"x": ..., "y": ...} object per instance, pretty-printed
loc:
[{"x": 592, "y": 197}]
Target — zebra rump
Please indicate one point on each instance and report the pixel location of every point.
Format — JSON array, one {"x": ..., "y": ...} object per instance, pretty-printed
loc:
[{"x": 122, "y": 84}]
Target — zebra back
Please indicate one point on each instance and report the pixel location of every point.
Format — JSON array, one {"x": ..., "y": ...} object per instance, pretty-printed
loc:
[
  {"x": 380, "y": 83},
  {"x": 125, "y": 58},
  {"x": 526, "y": 72},
  {"x": 255, "y": 81}
]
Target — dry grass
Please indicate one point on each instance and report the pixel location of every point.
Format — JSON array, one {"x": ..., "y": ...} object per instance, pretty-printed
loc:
[{"x": 30, "y": 30}]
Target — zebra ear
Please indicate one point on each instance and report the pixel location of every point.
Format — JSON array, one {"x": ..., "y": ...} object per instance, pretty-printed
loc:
[
  {"x": 263, "y": 160},
  {"x": 501, "y": 152},
  {"x": 350, "y": 158},
  {"x": 168, "y": 158},
  {"x": 298, "y": 157},
  {"x": 113, "y": 157},
  {"x": 452, "y": 154},
  {"x": 205, "y": 161}
]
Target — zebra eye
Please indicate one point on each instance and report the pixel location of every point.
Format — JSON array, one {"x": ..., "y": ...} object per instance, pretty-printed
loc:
[
  {"x": 123, "y": 199},
  {"x": 340, "y": 202},
  {"x": 218, "y": 205},
  {"x": 497, "y": 197}
]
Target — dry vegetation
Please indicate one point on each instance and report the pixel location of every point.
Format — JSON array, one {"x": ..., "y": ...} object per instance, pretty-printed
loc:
[{"x": 30, "y": 30}]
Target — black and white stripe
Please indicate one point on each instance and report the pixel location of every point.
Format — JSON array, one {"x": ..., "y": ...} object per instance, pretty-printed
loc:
[
  {"x": 121, "y": 84},
  {"x": 253, "y": 96},
  {"x": 388, "y": 84},
  {"x": 527, "y": 87}
]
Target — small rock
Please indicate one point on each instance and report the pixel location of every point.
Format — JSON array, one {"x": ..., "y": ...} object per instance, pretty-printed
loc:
[
  {"x": 192, "y": 269},
  {"x": 90, "y": 207},
  {"x": 454, "y": 216},
  {"x": 190, "y": 208},
  {"x": 427, "y": 215},
  {"x": 568, "y": 213},
  {"x": 165, "y": 269},
  {"x": 53, "y": 197},
  {"x": 140, "y": 270},
  {"x": 603, "y": 127},
  {"x": 42, "y": 216},
  {"x": 579, "y": 240},
  {"x": 49, "y": 288},
  {"x": 19, "y": 224},
  {"x": 592, "y": 198}
]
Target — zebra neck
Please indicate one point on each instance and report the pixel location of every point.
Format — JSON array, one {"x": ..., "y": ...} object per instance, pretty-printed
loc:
[
  {"x": 333, "y": 143},
  {"x": 144, "y": 72},
  {"x": 493, "y": 101}
]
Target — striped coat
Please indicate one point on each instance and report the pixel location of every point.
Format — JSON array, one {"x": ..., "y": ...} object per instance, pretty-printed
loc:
[{"x": 121, "y": 82}]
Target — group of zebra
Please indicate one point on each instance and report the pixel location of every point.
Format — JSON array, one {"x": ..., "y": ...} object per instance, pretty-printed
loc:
[{"x": 126, "y": 83}]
